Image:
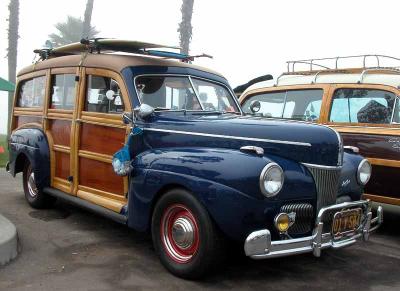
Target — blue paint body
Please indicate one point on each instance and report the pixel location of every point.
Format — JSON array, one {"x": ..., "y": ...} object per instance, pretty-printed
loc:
[{"x": 212, "y": 167}]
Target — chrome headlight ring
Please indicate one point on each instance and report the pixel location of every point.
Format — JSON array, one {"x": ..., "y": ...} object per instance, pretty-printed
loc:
[
  {"x": 271, "y": 180},
  {"x": 364, "y": 172}
]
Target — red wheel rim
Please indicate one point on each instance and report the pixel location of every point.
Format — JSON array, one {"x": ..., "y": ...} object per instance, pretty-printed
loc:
[{"x": 179, "y": 233}]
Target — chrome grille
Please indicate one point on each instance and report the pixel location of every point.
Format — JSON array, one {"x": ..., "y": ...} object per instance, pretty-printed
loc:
[
  {"x": 326, "y": 181},
  {"x": 304, "y": 217}
]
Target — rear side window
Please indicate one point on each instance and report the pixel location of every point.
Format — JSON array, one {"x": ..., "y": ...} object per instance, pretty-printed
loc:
[
  {"x": 362, "y": 106},
  {"x": 32, "y": 92},
  {"x": 97, "y": 98},
  {"x": 63, "y": 91}
]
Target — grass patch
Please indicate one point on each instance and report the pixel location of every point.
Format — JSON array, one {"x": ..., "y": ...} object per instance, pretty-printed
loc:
[{"x": 3, "y": 156}]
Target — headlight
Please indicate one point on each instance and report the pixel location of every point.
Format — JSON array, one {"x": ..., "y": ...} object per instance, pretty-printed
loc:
[
  {"x": 364, "y": 172},
  {"x": 271, "y": 179}
]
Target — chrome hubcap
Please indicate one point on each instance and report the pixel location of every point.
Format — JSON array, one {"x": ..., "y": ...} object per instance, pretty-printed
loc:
[
  {"x": 32, "y": 189},
  {"x": 182, "y": 232},
  {"x": 179, "y": 233}
]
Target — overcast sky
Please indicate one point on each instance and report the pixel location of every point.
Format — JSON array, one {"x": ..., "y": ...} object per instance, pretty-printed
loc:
[{"x": 247, "y": 38}]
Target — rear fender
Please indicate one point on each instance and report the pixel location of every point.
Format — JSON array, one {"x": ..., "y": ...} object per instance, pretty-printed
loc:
[{"x": 30, "y": 144}]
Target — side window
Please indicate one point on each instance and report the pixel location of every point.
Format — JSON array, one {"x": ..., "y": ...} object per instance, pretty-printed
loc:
[
  {"x": 362, "y": 106},
  {"x": 272, "y": 104},
  {"x": 303, "y": 104},
  {"x": 63, "y": 91},
  {"x": 103, "y": 95},
  {"x": 291, "y": 104},
  {"x": 31, "y": 92}
]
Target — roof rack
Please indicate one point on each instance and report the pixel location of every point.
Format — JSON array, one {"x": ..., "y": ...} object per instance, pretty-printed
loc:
[
  {"x": 317, "y": 69},
  {"x": 109, "y": 45},
  {"x": 314, "y": 62}
]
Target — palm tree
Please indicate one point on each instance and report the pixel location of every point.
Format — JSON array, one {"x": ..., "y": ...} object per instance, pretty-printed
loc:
[
  {"x": 185, "y": 27},
  {"x": 87, "y": 18},
  {"x": 70, "y": 31},
  {"x": 13, "y": 23}
]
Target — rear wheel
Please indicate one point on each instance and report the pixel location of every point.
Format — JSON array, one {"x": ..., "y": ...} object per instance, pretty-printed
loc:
[
  {"x": 35, "y": 196},
  {"x": 184, "y": 236}
]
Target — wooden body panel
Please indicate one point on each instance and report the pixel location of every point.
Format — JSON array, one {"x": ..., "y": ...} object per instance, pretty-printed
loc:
[
  {"x": 61, "y": 131},
  {"x": 62, "y": 165},
  {"x": 100, "y": 175},
  {"x": 108, "y": 139}
]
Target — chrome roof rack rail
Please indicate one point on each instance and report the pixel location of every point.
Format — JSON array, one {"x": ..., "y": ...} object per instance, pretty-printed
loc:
[
  {"x": 316, "y": 62},
  {"x": 367, "y": 70}
]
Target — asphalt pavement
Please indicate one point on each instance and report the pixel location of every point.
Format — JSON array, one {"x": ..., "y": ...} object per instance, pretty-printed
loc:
[{"x": 66, "y": 248}]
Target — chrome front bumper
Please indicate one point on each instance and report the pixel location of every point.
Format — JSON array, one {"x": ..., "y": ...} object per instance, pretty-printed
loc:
[{"x": 258, "y": 244}]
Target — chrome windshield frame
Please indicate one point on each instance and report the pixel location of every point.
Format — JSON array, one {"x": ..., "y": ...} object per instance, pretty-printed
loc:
[{"x": 229, "y": 90}]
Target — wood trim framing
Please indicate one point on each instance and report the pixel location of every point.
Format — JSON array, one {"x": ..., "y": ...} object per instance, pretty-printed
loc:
[
  {"x": 384, "y": 162},
  {"x": 358, "y": 129},
  {"x": 101, "y": 200},
  {"x": 95, "y": 156},
  {"x": 382, "y": 199}
]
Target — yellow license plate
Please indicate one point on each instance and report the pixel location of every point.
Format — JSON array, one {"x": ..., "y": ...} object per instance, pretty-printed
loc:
[{"x": 346, "y": 222}]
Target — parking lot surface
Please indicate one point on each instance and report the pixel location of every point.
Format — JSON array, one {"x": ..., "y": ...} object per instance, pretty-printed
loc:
[{"x": 66, "y": 248}]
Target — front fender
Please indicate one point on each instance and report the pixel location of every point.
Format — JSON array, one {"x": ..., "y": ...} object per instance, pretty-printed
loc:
[
  {"x": 32, "y": 144},
  {"x": 225, "y": 181}
]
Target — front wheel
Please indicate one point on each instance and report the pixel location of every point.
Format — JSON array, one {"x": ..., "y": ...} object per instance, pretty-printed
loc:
[
  {"x": 35, "y": 196},
  {"x": 184, "y": 236}
]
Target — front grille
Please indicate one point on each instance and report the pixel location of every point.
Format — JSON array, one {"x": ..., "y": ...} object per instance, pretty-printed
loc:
[
  {"x": 326, "y": 181},
  {"x": 304, "y": 217}
]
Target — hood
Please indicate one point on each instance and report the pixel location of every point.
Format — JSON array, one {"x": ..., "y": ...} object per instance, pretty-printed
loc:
[{"x": 299, "y": 141}]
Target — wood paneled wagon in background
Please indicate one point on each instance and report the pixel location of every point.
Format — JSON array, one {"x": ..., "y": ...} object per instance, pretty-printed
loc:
[
  {"x": 192, "y": 169},
  {"x": 361, "y": 103}
]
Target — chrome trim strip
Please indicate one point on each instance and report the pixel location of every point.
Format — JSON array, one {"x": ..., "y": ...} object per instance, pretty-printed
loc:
[
  {"x": 228, "y": 136},
  {"x": 322, "y": 166}
]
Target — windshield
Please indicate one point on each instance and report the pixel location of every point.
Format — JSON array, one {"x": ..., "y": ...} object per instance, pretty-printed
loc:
[
  {"x": 294, "y": 104},
  {"x": 184, "y": 93}
]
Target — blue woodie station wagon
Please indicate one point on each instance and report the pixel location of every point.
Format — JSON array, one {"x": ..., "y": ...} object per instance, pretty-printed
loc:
[{"x": 200, "y": 173}]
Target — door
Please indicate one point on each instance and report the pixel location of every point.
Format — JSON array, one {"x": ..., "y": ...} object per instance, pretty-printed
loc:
[
  {"x": 364, "y": 116},
  {"x": 99, "y": 133},
  {"x": 58, "y": 125}
]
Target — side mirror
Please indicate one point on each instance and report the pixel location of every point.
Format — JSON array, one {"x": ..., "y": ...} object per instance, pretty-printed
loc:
[
  {"x": 255, "y": 106},
  {"x": 143, "y": 111},
  {"x": 127, "y": 117}
]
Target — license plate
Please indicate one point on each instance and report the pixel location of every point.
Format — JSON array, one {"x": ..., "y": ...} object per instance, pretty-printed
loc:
[{"x": 346, "y": 222}]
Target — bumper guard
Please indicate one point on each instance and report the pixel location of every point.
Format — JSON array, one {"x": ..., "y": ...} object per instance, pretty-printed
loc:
[{"x": 258, "y": 244}]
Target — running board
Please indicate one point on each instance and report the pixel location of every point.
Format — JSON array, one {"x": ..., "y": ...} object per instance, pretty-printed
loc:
[{"x": 120, "y": 218}]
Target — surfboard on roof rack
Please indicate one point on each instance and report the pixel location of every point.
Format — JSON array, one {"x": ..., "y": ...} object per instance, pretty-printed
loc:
[{"x": 109, "y": 45}]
